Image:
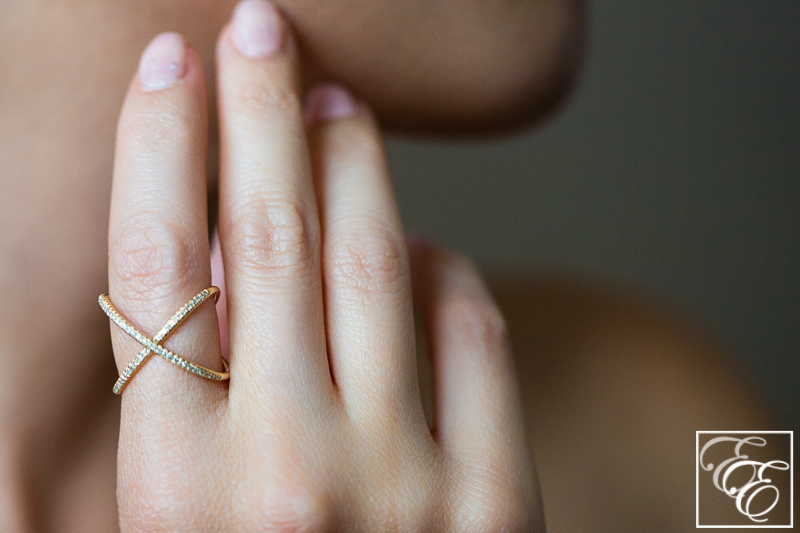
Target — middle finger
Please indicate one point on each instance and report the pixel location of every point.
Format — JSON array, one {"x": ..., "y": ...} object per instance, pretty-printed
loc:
[{"x": 269, "y": 228}]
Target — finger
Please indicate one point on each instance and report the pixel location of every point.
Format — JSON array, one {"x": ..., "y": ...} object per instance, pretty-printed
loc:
[
  {"x": 477, "y": 406},
  {"x": 365, "y": 265},
  {"x": 218, "y": 280},
  {"x": 269, "y": 229},
  {"x": 158, "y": 237}
]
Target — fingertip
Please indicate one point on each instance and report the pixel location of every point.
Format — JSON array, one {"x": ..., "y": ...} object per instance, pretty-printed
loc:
[
  {"x": 257, "y": 29},
  {"x": 257, "y": 60},
  {"x": 169, "y": 61},
  {"x": 163, "y": 62},
  {"x": 329, "y": 101},
  {"x": 195, "y": 74}
]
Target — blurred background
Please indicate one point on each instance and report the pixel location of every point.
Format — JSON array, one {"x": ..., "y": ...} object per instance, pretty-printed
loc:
[{"x": 673, "y": 170}]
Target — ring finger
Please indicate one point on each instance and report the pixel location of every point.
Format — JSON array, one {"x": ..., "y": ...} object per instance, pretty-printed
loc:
[{"x": 365, "y": 264}]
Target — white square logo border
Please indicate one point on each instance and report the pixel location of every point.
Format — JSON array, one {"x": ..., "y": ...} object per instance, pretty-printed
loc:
[{"x": 697, "y": 478}]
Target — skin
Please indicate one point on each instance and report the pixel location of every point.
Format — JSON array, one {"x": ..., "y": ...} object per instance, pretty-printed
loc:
[
  {"x": 58, "y": 455},
  {"x": 320, "y": 323},
  {"x": 65, "y": 68}
]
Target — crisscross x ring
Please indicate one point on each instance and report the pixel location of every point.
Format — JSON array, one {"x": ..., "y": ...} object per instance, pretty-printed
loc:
[{"x": 154, "y": 345}]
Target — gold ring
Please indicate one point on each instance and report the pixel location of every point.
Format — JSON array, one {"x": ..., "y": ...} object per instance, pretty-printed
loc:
[{"x": 154, "y": 345}]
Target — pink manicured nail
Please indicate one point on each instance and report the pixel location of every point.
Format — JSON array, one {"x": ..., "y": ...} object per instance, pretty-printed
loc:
[
  {"x": 327, "y": 102},
  {"x": 163, "y": 62},
  {"x": 257, "y": 28}
]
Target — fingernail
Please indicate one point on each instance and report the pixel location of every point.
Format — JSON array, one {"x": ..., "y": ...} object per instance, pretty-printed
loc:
[
  {"x": 327, "y": 102},
  {"x": 163, "y": 62},
  {"x": 257, "y": 28}
]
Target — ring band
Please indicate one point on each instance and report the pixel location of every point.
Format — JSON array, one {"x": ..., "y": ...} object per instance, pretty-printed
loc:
[{"x": 154, "y": 345}]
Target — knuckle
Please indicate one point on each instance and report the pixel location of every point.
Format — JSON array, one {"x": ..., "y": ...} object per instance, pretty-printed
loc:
[
  {"x": 477, "y": 320},
  {"x": 282, "y": 509},
  {"x": 147, "y": 520},
  {"x": 390, "y": 508},
  {"x": 368, "y": 264},
  {"x": 494, "y": 507},
  {"x": 361, "y": 149},
  {"x": 272, "y": 240},
  {"x": 151, "y": 256},
  {"x": 148, "y": 504},
  {"x": 169, "y": 125},
  {"x": 256, "y": 97}
]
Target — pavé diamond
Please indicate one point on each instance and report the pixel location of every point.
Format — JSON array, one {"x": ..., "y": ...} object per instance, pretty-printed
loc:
[{"x": 153, "y": 345}]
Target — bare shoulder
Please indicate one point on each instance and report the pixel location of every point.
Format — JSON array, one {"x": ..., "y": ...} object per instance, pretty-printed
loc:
[{"x": 614, "y": 389}]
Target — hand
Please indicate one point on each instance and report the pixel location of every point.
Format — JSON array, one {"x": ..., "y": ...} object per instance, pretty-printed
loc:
[{"x": 321, "y": 426}]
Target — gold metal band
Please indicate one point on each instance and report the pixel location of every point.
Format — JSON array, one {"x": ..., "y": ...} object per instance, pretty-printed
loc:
[{"x": 154, "y": 345}]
